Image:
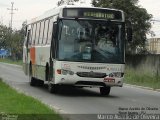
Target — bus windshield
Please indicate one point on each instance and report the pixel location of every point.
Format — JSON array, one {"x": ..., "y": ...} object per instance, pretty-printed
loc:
[{"x": 91, "y": 41}]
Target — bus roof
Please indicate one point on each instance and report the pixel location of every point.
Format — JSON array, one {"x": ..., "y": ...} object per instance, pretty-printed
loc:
[{"x": 57, "y": 10}]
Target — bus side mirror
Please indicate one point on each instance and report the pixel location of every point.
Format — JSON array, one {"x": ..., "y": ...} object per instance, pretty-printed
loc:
[
  {"x": 54, "y": 29},
  {"x": 129, "y": 31}
]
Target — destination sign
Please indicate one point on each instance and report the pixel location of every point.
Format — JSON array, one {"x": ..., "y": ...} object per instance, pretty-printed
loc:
[
  {"x": 93, "y": 13},
  {"x": 99, "y": 15}
]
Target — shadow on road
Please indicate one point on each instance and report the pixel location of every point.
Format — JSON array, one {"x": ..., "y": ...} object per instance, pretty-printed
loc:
[{"x": 77, "y": 92}]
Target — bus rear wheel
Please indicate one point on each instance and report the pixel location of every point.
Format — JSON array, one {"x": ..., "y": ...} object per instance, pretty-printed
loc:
[
  {"x": 105, "y": 90},
  {"x": 40, "y": 83},
  {"x": 32, "y": 80}
]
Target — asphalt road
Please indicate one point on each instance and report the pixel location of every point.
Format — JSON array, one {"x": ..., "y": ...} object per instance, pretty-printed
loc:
[{"x": 87, "y": 104}]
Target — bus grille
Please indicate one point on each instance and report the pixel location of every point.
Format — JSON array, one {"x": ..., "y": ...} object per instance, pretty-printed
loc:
[{"x": 91, "y": 74}]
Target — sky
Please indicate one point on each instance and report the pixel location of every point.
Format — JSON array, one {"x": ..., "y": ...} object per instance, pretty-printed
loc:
[
  {"x": 152, "y": 7},
  {"x": 28, "y": 9}
]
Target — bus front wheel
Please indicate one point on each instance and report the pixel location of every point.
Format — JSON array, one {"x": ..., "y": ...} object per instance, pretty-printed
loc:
[
  {"x": 105, "y": 90},
  {"x": 53, "y": 88}
]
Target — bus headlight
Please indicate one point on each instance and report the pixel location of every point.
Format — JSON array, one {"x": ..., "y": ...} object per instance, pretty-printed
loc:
[
  {"x": 71, "y": 72},
  {"x": 65, "y": 72},
  {"x": 116, "y": 74}
]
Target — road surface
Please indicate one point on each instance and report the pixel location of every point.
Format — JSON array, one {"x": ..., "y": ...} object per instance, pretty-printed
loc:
[{"x": 87, "y": 104}]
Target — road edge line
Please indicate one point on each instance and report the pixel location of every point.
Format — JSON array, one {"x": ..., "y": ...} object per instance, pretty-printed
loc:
[{"x": 142, "y": 87}]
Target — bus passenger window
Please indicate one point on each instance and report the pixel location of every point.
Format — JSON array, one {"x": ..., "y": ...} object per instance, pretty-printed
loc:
[
  {"x": 41, "y": 33},
  {"x": 45, "y": 36},
  {"x": 33, "y": 33},
  {"x": 50, "y": 31},
  {"x": 37, "y": 33}
]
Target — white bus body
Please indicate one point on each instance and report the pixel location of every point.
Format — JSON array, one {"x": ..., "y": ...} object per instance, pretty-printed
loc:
[{"x": 48, "y": 58}]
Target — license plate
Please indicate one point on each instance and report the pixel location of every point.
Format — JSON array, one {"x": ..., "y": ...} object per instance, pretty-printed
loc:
[{"x": 109, "y": 80}]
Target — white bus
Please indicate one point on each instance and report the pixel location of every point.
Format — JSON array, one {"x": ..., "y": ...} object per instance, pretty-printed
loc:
[{"x": 78, "y": 46}]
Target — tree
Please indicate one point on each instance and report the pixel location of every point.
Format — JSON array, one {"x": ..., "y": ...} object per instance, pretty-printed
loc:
[
  {"x": 17, "y": 45},
  {"x": 4, "y": 36},
  {"x": 17, "y": 39},
  {"x": 138, "y": 16},
  {"x": 61, "y": 2},
  {"x": 12, "y": 41}
]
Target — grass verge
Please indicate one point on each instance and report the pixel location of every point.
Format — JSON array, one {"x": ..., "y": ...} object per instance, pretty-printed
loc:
[
  {"x": 17, "y": 62},
  {"x": 22, "y": 106},
  {"x": 142, "y": 78}
]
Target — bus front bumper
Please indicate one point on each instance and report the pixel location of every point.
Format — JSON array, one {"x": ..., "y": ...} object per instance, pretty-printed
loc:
[{"x": 88, "y": 82}]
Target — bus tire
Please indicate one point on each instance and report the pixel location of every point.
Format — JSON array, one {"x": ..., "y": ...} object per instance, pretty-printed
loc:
[
  {"x": 47, "y": 73},
  {"x": 40, "y": 83},
  {"x": 32, "y": 80},
  {"x": 105, "y": 90},
  {"x": 53, "y": 88}
]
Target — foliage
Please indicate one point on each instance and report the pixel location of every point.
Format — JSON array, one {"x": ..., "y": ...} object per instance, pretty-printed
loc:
[
  {"x": 4, "y": 36},
  {"x": 142, "y": 78},
  {"x": 16, "y": 45},
  {"x": 12, "y": 41},
  {"x": 17, "y": 62},
  {"x": 138, "y": 16},
  {"x": 61, "y": 2}
]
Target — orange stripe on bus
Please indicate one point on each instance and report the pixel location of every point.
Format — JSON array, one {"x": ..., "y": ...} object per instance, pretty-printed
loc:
[{"x": 32, "y": 55}]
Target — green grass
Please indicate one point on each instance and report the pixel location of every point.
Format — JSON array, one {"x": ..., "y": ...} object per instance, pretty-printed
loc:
[
  {"x": 27, "y": 108},
  {"x": 17, "y": 62},
  {"x": 142, "y": 78}
]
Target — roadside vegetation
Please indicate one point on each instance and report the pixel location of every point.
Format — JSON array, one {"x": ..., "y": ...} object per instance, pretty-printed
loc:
[
  {"x": 25, "y": 107},
  {"x": 7, "y": 60},
  {"x": 142, "y": 78}
]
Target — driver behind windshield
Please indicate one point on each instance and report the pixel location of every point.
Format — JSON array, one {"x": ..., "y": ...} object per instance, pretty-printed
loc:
[{"x": 104, "y": 38}]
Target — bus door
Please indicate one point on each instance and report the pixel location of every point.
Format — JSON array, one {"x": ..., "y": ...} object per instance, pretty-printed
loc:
[{"x": 53, "y": 50}]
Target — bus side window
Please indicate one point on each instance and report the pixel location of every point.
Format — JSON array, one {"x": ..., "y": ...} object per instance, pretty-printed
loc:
[
  {"x": 34, "y": 34},
  {"x": 31, "y": 32},
  {"x": 37, "y": 33},
  {"x": 41, "y": 33},
  {"x": 50, "y": 31},
  {"x": 45, "y": 32}
]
